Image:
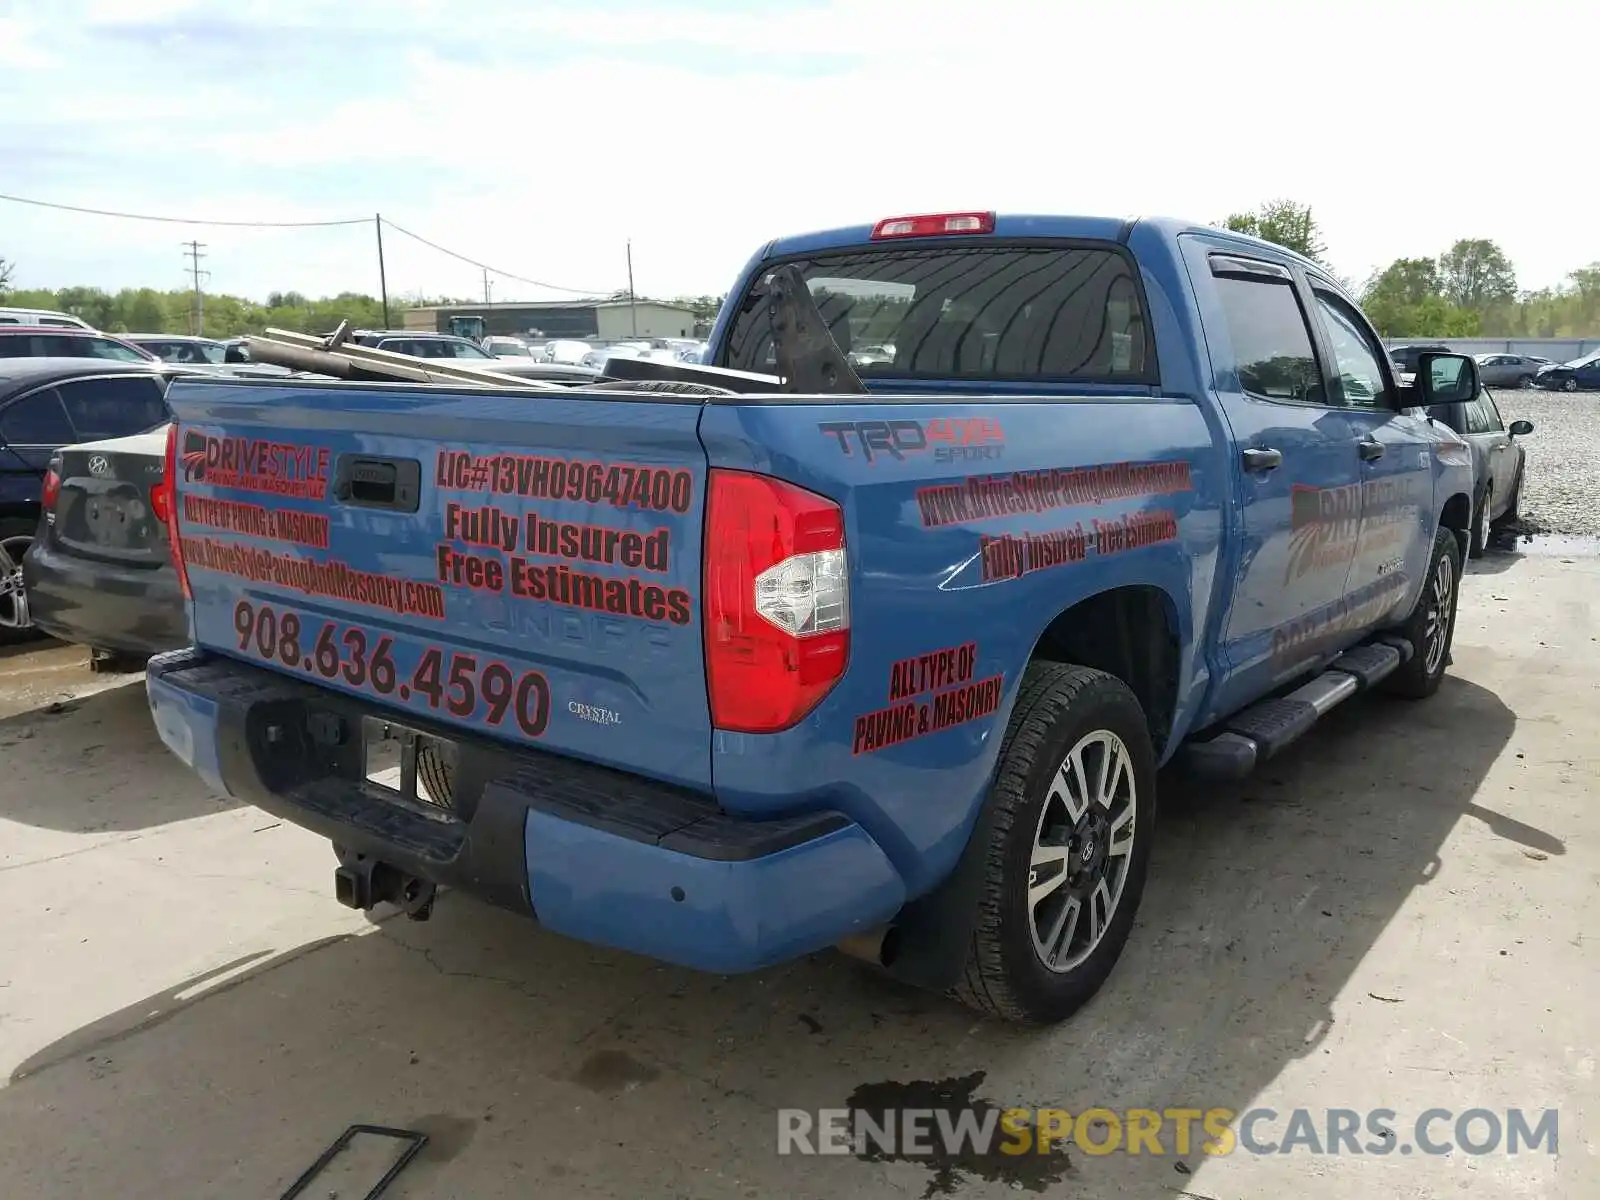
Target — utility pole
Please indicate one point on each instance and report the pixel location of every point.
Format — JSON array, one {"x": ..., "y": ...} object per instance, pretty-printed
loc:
[
  {"x": 487, "y": 286},
  {"x": 194, "y": 249},
  {"x": 383, "y": 279},
  {"x": 633, "y": 306}
]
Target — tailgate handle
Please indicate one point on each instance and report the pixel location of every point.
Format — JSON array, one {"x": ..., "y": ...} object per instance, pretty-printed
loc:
[{"x": 366, "y": 481}]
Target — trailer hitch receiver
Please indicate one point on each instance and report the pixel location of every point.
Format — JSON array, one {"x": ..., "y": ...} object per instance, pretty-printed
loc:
[{"x": 362, "y": 882}]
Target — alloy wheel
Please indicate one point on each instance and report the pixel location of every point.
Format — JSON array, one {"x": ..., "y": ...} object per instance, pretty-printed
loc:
[
  {"x": 1436, "y": 627},
  {"x": 1082, "y": 850},
  {"x": 13, "y": 597}
]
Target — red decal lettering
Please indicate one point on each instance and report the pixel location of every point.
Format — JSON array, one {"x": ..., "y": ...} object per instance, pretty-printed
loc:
[
  {"x": 331, "y": 579},
  {"x": 988, "y": 497},
  {"x": 588, "y": 481},
  {"x": 277, "y": 525}
]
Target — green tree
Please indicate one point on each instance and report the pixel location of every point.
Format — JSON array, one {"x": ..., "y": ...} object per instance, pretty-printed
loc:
[
  {"x": 705, "y": 308},
  {"x": 91, "y": 303},
  {"x": 1406, "y": 281},
  {"x": 1475, "y": 273},
  {"x": 1284, "y": 222}
]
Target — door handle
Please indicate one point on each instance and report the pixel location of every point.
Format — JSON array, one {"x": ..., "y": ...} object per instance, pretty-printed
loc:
[
  {"x": 1497, "y": 447},
  {"x": 1370, "y": 449},
  {"x": 1262, "y": 460}
]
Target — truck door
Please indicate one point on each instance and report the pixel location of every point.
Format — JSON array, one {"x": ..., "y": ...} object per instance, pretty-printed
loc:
[
  {"x": 1396, "y": 463},
  {"x": 1297, "y": 474}
]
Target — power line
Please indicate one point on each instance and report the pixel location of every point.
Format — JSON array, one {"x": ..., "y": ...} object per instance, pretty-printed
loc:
[
  {"x": 127, "y": 216},
  {"x": 416, "y": 237},
  {"x": 554, "y": 287}
]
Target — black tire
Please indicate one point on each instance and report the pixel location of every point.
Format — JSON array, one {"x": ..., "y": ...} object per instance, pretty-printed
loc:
[
  {"x": 437, "y": 774},
  {"x": 13, "y": 531},
  {"x": 1524, "y": 381},
  {"x": 1478, "y": 537},
  {"x": 1419, "y": 677},
  {"x": 1570, "y": 385},
  {"x": 1059, "y": 706}
]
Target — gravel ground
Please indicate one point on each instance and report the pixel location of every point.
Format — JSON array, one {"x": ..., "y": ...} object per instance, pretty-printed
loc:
[{"x": 1561, "y": 482}]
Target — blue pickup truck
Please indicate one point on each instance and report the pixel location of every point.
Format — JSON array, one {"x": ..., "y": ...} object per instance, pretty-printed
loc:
[{"x": 807, "y": 647}]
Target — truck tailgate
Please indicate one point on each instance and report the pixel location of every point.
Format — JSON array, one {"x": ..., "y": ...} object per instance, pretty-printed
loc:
[{"x": 525, "y": 567}]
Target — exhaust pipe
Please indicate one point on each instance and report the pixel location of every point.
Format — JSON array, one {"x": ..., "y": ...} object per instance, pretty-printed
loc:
[{"x": 873, "y": 946}]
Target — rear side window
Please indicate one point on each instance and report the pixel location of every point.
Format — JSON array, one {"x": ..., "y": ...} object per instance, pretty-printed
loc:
[
  {"x": 1271, "y": 341},
  {"x": 104, "y": 408},
  {"x": 991, "y": 312},
  {"x": 36, "y": 420}
]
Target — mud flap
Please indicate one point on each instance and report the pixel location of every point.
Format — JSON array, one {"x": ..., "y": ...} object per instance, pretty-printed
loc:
[{"x": 935, "y": 930}]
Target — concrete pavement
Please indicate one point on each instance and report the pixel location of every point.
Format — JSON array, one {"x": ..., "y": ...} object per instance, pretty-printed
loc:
[{"x": 1399, "y": 914}]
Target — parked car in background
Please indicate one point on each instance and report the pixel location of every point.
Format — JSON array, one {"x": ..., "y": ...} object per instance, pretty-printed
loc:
[
  {"x": 45, "y": 404},
  {"x": 506, "y": 347},
  {"x": 565, "y": 350},
  {"x": 43, "y": 317},
  {"x": 1498, "y": 462},
  {"x": 872, "y": 356},
  {"x": 204, "y": 355},
  {"x": 99, "y": 572},
  {"x": 179, "y": 348},
  {"x": 22, "y": 341},
  {"x": 1581, "y": 374},
  {"x": 1508, "y": 370},
  {"x": 1405, "y": 358},
  {"x": 422, "y": 345},
  {"x": 598, "y": 358}
]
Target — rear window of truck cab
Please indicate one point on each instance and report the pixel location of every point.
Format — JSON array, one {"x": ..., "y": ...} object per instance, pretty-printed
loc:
[{"x": 992, "y": 312}]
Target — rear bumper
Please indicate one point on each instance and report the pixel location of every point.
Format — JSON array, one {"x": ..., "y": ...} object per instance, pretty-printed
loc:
[
  {"x": 100, "y": 604},
  {"x": 591, "y": 853}
]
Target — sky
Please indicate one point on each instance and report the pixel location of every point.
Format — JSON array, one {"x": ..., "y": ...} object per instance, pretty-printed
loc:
[{"x": 540, "y": 138}]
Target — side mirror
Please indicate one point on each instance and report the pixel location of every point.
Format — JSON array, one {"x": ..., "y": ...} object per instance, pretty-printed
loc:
[
  {"x": 1521, "y": 428},
  {"x": 1447, "y": 378}
]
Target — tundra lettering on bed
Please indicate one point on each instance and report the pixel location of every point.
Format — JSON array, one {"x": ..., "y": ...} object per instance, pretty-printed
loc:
[{"x": 872, "y": 631}]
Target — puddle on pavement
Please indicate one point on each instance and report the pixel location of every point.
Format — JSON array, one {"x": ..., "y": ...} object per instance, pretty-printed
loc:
[
  {"x": 613, "y": 1071},
  {"x": 447, "y": 1135},
  {"x": 959, "y": 1116},
  {"x": 1554, "y": 545}
]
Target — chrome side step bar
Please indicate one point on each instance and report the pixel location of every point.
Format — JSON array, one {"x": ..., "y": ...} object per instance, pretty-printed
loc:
[{"x": 1257, "y": 733}]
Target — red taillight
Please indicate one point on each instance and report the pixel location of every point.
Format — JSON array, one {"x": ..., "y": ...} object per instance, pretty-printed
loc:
[
  {"x": 164, "y": 503},
  {"x": 934, "y": 225},
  {"x": 52, "y": 486},
  {"x": 777, "y": 601}
]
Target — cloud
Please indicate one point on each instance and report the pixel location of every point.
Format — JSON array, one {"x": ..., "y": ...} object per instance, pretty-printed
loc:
[{"x": 539, "y": 137}]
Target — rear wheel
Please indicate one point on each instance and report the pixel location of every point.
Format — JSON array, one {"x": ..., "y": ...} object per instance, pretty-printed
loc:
[
  {"x": 16, "y": 535},
  {"x": 1069, "y": 822},
  {"x": 1524, "y": 381},
  {"x": 1432, "y": 624}
]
